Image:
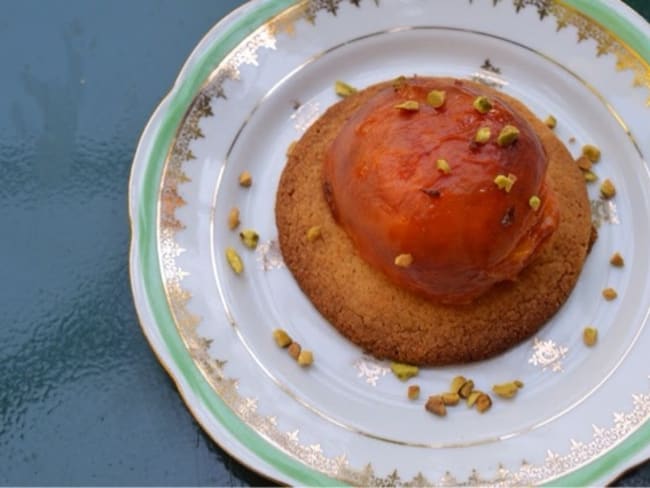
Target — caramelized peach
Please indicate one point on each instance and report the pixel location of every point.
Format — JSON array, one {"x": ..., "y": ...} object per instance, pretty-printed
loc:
[{"x": 384, "y": 183}]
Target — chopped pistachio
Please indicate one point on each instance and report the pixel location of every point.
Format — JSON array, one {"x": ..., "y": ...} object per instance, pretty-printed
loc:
[
  {"x": 590, "y": 176},
  {"x": 450, "y": 399},
  {"x": 584, "y": 163},
  {"x": 409, "y": 105},
  {"x": 436, "y": 98},
  {"x": 466, "y": 389},
  {"x": 507, "y": 390},
  {"x": 609, "y": 294},
  {"x": 443, "y": 166},
  {"x": 281, "y": 338},
  {"x": 590, "y": 336},
  {"x": 249, "y": 238},
  {"x": 399, "y": 82},
  {"x": 607, "y": 189},
  {"x": 483, "y": 403},
  {"x": 617, "y": 260},
  {"x": 413, "y": 392},
  {"x": 436, "y": 405},
  {"x": 551, "y": 122},
  {"x": 534, "y": 202},
  {"x": 471, "y": 399},
  {"x": 457, "y": 383},
  {"x": 591, "y": 152},
  {"x": 313, "y": 233},
  {"x": 519, "y": 383},
  {"x": 404, "y": 260},
  {"x": 305, "y": 358},
  {"x": 342, "y": 89},
  {"x": 501, "y": 181},
  {"x": 504, "y": 182},
  {"x": 233, "y": 218},
  {"x": 234, "y": 260},
  {"x": 245, "y": 179},
  {"x": 482, "y": 135},
  {"x": 508, "y": 135},
  {"x": 294, "y": 350},
  {"x": 403, "y": 371},
  {"x": 482, "y": 104}
]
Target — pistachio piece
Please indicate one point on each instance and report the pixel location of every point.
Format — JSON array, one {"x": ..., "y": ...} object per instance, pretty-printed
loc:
[
  {"x": 436, "y": 98},
  {"x": 294, "y": 350},
  {"x": 483, "y": 403},
  {"x": 609, "y": 294},
  {"x": 342, "y": 89},
  {"x": 457, "y": 383},
  {"x": 534, "y": 202},
  {"x": 404, "y": 260},
  {"x": 234, "y": 260},
  {"x": 399, "y": 82},
  {"x": 504, "y": 182},
  {"x": 584, "y": 163},
  {"x": 482, "y": 104},
  {"x": 450, "y": 399},
  {"x": 466, "y": 389},
  {"x": 591, "y": 152},
  {"x": 233, "y": 218},
  {"x": 313, "y": 233},
  {"x": 590, "y": 336},
  {"x": 409, "y": 106},
  {"x": 590, "y": 176},
  {"x": 245, "y": 179},
  {"x": 471, "y": 399},
  {"x": 482, "y": 135},
  {"x": 404, "y": 371},
  {"x": 443, "y": 166},
  {"x": 607, "y": 189},
  {"x": 508, "y": 135},
  {"x": 550, "y": 122},
  {"x": 413, "y": 392},
  {"x": 305, "y": 358},
  {"x": 617, "y": 260},
  {"x": 249, "y": 238},
  {"x": 281, "y": 338},
  {"x": 436, "y": 405},
  {"x": 519, "y": 383},
  {"x": 507, "y": 390}
]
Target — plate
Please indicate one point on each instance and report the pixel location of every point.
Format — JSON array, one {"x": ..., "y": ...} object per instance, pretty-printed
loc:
[{"x": 254, "y": 84}]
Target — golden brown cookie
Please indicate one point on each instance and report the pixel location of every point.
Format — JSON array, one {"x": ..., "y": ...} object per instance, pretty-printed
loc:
[{"x": 392, "y": 323}]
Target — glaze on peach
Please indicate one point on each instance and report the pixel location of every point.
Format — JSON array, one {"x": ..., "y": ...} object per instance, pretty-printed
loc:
[{"x": 464, "y": 233}]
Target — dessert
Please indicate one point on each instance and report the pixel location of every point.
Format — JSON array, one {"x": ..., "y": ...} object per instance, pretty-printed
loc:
[{"x": 452, "y": 223}]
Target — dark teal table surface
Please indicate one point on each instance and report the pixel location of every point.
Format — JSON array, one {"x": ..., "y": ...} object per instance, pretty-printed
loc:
[{"x": 83, "y": 400}]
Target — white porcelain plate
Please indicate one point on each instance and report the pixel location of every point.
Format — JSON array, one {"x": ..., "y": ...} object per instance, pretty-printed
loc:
[{"x": 254, "y": 84}]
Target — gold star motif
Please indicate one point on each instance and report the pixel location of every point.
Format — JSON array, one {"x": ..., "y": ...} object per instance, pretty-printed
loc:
[
  {"x": 561, "y": 24},
  {"x": 582, "y": 34},
  {"x": 603, "y": 47}
]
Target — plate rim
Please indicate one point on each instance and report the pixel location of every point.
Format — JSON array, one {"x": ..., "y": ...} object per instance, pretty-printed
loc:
[{"x": 198, "y": 65}]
